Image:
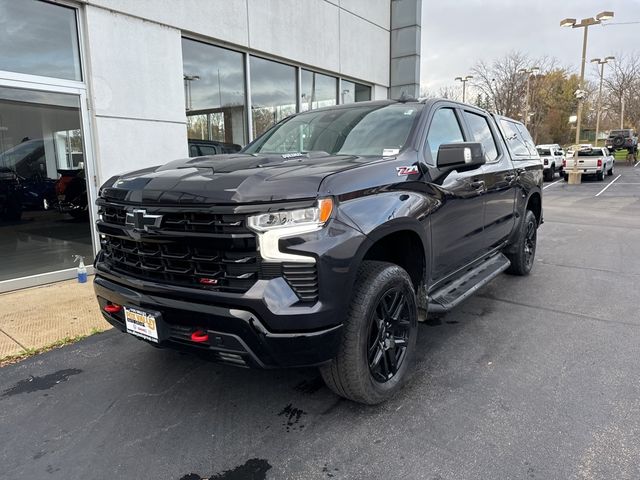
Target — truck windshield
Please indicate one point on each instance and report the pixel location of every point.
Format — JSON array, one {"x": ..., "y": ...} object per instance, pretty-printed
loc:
[{"x": 367, "y": 130}]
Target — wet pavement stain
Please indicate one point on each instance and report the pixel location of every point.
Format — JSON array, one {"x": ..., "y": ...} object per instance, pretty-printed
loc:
[
  {"x": 292, "y": 417},
  {"x": 433, "y": 321},
  {"x": 310, "y": 386},
  {"x": 252, "y": 469},
  {"x": 34, "y": 384},
  {"x": 326, "y": 470}
]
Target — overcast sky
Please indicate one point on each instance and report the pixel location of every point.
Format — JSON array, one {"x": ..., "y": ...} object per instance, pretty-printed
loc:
[{"x": 456, "y": 34}]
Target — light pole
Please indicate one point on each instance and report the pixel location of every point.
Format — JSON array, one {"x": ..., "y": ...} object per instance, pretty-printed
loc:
[
  {"x": 528, "y": 72},
  {"x": 584, "y": 23},
  {"x": 602, "y": 63},
  {"x": 464, "y": 81},
  {"x": 187, "y": 89}
]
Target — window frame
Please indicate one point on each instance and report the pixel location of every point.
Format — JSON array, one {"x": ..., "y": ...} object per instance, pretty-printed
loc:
[
  {"x": 424, "y": 148},
  {"x": 499, "y": 151}
]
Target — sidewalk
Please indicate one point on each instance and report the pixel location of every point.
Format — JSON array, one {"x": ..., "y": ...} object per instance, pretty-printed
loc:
[{"x": 39, "y": 317}]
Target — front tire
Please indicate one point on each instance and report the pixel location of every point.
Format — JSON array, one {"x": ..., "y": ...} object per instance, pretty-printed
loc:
[
  {"x": 379, "y": 338},
  {"x": 524, "y": 252}
]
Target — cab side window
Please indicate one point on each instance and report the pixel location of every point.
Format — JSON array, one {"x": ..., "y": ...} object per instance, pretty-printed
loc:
[
  {"x": 511, "y": 134},
  {"x": 481, "y": 133},
  {"x": 444, "y": 129}
]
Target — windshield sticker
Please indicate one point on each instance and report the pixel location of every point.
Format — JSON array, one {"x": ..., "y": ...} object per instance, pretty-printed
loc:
[
  {"x": 410, "y": 170},
  {"x": 292, "y": 155},
  {"x": 388, "y": 152}
]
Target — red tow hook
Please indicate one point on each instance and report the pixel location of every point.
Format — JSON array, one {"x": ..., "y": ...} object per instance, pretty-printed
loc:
[
  {"x": 200, "y": 336},
  {"x": 112, "y": 308}
]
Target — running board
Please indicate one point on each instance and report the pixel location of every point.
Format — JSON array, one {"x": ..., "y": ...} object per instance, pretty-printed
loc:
[{"x": 447, "y": 297}]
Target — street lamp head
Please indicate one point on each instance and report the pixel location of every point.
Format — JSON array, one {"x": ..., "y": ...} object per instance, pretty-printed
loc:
[
  {"x": 610, "y": 59},
  {"x": 458, "y": 79},
  {"x": 606, "y": 15},
  {"x": 568, "y": 22},
  {"x": 468, "y": 77},
  {"x": 535, "y": 70},
  {"x": 595, "y": 60}
]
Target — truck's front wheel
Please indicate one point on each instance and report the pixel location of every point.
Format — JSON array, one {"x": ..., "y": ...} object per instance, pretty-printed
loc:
[{"x": 379, "y": 336}]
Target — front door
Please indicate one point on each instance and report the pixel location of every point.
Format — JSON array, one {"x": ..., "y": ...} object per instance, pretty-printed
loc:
[
  {"x": 457, "y": 225},
  {"x": 499, "y": 180}
]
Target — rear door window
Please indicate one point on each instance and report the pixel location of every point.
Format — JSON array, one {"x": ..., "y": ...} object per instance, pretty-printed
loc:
[{"x": 481, "y": 132}]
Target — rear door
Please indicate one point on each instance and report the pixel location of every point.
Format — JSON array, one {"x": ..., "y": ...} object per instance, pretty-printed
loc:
[
  {"x": 457, "y": 225},
  {"x": 499, "y": 180}
]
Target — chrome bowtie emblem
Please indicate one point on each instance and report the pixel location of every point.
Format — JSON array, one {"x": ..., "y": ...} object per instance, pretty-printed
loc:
[{"x": 140, "y": 220}]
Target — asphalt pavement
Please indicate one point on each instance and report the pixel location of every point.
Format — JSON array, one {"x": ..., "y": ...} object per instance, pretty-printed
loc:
[{"x": 533, "y": 378}]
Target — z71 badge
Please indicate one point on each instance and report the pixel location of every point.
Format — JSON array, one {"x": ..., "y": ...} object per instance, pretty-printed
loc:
[{"x": 410, "y": 170}]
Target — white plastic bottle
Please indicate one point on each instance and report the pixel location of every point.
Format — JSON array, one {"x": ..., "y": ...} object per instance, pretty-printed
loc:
[{"x": 82, "y": 270}]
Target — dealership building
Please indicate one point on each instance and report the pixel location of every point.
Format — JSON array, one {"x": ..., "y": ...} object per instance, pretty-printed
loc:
[{"x": 90, "y": 89}]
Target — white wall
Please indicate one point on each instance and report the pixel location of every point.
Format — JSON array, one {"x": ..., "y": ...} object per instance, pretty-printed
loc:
[
  {"x": 349, "y": 37},
  {"x": 136, "y": 91}
]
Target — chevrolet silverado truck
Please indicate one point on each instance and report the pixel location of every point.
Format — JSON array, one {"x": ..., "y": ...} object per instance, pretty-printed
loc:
[
  {"x": 323, "y": 241},
  {"x": 590, "y": 161}
]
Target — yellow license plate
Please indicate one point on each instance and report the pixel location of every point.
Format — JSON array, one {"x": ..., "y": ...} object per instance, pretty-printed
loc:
[{"x": 142, "y": 324}]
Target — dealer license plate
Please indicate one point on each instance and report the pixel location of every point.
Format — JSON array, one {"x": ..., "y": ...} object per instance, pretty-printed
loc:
[{"x": 142, "y": 324}]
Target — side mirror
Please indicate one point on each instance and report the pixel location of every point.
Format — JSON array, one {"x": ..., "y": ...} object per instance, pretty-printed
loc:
[{"x": 460, "y": 156}]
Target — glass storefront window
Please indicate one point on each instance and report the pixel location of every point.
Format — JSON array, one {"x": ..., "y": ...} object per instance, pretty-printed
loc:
[
  {"x": 214, "y": 94},
  {"x": 317, "y": 90},
  {"x": 351, "y": 92},
  {"x": 273, "y": 93},
  {"x": 39, "y": 38},
  {"x": 44, "y": 216}
]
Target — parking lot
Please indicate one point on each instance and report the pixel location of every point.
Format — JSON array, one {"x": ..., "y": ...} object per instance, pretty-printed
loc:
[{"x": 534, "y": 377}]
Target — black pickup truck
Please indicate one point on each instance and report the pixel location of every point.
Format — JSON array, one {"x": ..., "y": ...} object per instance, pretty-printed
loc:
[{"x": 324, "y": 241}]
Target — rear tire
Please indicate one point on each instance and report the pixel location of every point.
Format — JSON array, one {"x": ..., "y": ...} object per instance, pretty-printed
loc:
[
  {"x": 565, "y": 176},
  {"x": 549, "y": 174},
  {"x": 524, "y": 252},
  {"x": 600, "y": 175},
  {"x": 610, "y": 172},
  {"x": 379, "y": 336}
]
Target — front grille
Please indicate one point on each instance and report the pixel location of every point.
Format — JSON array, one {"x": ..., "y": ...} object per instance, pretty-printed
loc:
[
  {"x": 217, "y": 252},
  {"x": 303, "y": 278},
  {"x": 197, "y": 249}
]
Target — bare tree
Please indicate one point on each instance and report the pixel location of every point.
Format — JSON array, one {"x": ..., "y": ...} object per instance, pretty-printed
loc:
[{"x": 623, "y": 84}]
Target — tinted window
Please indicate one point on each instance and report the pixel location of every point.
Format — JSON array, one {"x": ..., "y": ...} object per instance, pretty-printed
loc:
[
  {"x": 351, "y": 92},
  {"x": 214, "y": 92},
  {"x": 368, "y": 130},
  {"x": 39, "y": 38},
  {"x": 513, "y": 137},
  {"x": 273, "y": 93},
  {"x": 444, "y": 129},
  {"x": 544, "y": 152},
  {"x": 481, "y": 132},
  {"x": 528, "y": 141},
  {"x": 590, "y": 153},
  {"x": 317, "y": 90}
]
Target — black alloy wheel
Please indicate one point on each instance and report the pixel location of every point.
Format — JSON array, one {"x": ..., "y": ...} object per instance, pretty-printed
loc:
[{"x": 388, "y": 335}]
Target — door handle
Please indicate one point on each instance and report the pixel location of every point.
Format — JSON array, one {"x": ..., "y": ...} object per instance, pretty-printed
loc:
[{"x": 478, "y": 185}]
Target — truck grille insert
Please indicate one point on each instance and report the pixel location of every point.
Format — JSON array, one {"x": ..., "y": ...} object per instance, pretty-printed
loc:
[
  {"x": 216, "y": 252},
  {"x": 303, "y": 279}
]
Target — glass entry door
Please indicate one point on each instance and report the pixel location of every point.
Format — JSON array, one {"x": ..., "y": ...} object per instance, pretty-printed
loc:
[{"x": 44, "y": 205}]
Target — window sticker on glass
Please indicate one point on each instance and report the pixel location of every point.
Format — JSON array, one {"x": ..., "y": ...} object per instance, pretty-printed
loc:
[
  {"x": 409, "y": 112},
  {"x": 389, "y": 152}
]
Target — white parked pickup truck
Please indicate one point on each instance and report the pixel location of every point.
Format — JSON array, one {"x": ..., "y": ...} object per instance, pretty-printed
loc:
[
  {"x": 551, "y": 156},
  {"x": 590, "y": 161}
]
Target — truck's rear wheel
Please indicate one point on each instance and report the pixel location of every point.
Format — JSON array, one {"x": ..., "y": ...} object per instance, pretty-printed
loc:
[
  {"x": 549, "y": 173},
  {"x": 524, "y": 251},
  {"x": 379, "y": 337}
]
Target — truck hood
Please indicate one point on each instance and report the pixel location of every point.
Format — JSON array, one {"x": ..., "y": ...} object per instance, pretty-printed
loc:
[{"x": 230, "y": 179}]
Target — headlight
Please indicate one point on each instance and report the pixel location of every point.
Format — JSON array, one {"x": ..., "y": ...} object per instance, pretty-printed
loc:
[
  {"x": 272, "y": 227},
  {"x": 312, "y": 216}
]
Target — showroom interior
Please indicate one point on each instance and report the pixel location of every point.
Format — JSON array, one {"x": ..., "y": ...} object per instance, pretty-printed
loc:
[{"x": 93, "y": 88}]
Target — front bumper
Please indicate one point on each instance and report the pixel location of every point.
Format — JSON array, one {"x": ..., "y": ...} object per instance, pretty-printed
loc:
[{"x": 237, "y": 334}]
